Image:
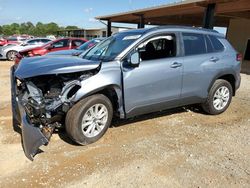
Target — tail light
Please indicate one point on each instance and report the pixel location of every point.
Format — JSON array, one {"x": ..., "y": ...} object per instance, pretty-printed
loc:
[
  {"x": 238, "y": 57},
  {"x": 18, "y": 58}
]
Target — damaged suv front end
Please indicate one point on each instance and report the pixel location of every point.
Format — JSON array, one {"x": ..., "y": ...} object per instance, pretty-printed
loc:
[
  {"x": 43, "y": 90},
  {"x": 79, "y": 93}
]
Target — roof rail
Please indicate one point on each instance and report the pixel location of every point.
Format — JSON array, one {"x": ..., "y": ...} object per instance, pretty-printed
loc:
[{"x": 182, "y": 27}]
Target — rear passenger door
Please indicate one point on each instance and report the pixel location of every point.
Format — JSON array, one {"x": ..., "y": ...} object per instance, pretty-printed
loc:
[{"x": 201, "y": 63}]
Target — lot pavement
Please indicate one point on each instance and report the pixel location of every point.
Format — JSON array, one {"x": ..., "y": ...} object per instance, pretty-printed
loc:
[{"x": 174, "y": 148}]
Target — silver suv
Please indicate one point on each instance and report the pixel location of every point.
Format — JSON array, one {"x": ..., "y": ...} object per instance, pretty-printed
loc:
[{"x": 130, "y": 73}]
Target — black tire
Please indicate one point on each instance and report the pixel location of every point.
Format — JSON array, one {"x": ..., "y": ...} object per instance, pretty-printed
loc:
[
  {"x": 208, "y": 106},
  {"x": 73, "y": 122},
  {"x": 10, "y": 55}
]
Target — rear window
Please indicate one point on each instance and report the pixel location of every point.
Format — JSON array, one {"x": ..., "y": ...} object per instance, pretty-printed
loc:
[
  {"x": 77, "y": 42},
  {"x": 194, "y": 44},
  {"x": 216, "y": 44}
]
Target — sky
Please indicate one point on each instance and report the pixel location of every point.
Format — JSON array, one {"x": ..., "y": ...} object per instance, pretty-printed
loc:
[{"x": 70, "y": 12}]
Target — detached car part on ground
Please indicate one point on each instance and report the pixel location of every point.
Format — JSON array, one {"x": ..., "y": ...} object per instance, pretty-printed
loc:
[{"x": 128, "y": 74}]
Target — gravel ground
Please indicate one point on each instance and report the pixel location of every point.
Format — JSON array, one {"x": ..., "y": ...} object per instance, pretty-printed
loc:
[{"x": 175, "y": 148}]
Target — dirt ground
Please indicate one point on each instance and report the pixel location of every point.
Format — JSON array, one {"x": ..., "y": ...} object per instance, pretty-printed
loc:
[{"x": 174, "y": 148}]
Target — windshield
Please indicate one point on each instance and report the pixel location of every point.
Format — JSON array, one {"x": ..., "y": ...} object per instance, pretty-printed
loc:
[{"x": 108, "y": 49}]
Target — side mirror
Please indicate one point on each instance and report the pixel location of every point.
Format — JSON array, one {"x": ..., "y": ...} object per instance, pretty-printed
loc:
[{"x": 135, "y": 59}]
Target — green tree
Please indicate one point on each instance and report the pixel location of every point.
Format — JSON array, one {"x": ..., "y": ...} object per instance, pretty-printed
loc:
[
  {"x": 39, "y": 29},
  {"x": 52, "y": 28},
  {"x": 71, "y": 27},
  {"x": 15, "y": 28}
]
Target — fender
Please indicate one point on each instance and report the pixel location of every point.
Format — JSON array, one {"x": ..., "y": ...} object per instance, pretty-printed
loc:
[{"x": 109, "y": 77}]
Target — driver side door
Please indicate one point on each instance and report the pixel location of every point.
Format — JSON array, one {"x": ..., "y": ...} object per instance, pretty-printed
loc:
[{"x": 156, "y": 83}]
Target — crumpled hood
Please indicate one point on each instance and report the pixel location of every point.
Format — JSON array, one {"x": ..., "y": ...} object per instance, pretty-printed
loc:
[
  {"x": 66, "y": 52},
  {"x": 45, "y": 65}
]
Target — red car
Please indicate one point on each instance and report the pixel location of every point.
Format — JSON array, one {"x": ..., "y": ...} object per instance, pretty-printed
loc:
[
  {"x": 56, "y": 45},
  {"x": 12, "y": 40}
]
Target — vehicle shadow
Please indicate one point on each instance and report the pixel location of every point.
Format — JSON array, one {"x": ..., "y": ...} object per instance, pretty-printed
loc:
[{"x": 123, "y": 122}]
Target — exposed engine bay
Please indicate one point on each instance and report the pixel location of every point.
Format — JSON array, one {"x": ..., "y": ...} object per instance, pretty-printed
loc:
[{"x": 46, "y": 99}]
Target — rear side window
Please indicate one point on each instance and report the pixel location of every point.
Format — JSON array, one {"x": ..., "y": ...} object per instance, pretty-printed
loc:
[
  {"x": 33, "y": 41},
  {"x": 194, "y": 44},
  {"x": 77, "y": 42},
  {"x": 216, "y": 44},
  {"x": 209, "y": 45},
  {"x": 61, "y": 43},
  {"x": 45, "y": 40}
]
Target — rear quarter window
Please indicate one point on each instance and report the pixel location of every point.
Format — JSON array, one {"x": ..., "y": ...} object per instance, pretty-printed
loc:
[
  {"x": 217, "y": 45},
  {"x": 194, "y": 44}
]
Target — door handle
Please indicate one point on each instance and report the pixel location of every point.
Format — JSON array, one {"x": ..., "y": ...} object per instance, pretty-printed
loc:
[
  {"x": 214, "y": 59},
  {"x": 176, "y": 65}
]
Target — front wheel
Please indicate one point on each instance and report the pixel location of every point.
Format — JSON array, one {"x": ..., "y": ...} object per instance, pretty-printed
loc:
[
  {"x": 219, "y": 97},
  {"x": 89, "y": 119},
  {"x": 11, "y": 55}
]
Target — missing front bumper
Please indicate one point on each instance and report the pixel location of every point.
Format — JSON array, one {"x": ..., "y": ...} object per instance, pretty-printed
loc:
[{"x": 32, "y": 137}]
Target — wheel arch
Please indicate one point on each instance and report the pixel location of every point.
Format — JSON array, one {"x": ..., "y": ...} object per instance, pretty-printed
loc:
[
  {"x": 228, "y": 76},
  {"x": 114, "y": 93}
]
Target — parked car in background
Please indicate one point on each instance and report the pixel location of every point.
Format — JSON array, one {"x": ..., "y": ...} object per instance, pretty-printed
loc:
[
  {"x": 15, "y": 40},
  {"x": 130, "y": 73},
  {"x": 56, "y": 45},
  {"x": 9, "y": 52},
  {"x": 78, "y": 50},
  {"x": 3, "y": 41}
]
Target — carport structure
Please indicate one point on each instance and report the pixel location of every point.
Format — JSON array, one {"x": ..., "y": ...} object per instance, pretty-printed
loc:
[{"x": 233, "y": 14}]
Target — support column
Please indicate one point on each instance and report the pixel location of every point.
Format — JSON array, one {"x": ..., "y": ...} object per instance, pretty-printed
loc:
[
  {"x": 208, "y": 20},
  {"x": 109, "y": 32},
  {"x": 141, "y": 24}
]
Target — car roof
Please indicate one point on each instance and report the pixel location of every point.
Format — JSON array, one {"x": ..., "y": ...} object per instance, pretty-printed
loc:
[{"x": 174, "y": 28}]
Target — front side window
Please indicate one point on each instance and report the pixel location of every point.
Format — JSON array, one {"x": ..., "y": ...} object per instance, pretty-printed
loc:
[
  {"x": 61, "y": 43},
  {"x": 158, "y": 47},
  {"x": 194, "y": 44}
]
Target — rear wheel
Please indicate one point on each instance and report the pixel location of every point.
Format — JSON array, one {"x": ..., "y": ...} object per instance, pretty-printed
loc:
[
  {"x": 89, "y": 119},
  {"x": 11, "y": 55},
  {"x": 219, "y": 97}
]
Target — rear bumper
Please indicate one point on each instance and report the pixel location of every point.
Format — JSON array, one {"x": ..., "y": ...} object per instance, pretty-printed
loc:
[
  {"x": 237, "y": 82},
  {"x": 32, "y": 137}
]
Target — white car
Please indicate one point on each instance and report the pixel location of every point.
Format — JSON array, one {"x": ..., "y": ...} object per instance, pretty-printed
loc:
[{"x": 9, "y": 52}]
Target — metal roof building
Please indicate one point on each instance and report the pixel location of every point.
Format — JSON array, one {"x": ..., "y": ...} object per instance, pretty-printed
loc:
[{"x": 233, "y": 14}]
